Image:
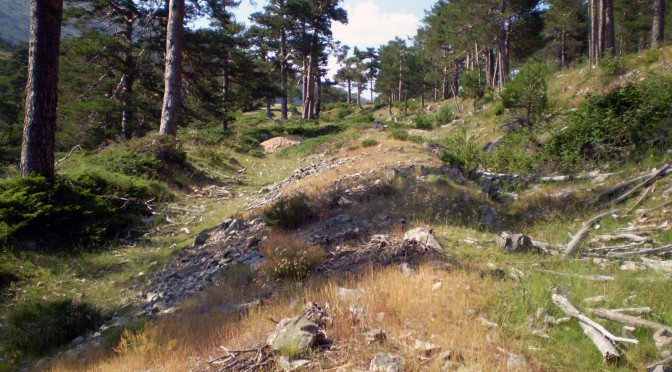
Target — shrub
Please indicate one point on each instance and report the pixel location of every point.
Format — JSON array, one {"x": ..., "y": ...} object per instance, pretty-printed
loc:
[
  {"x": 289, "y": 213},
  {"x": 613, "y": 66},
  {"x": 444, "y": 115},
  {"x": 629, "y": 120},
  {"x": 369, "y": 143},
  {"x": 289, "y": 257},
  {"x": 463, "y": 153},
  {"x": 526, "y": 96},
  {"x": 423, "y": 122},
  {"x": 344, "y": 112},
  {"x": 113, "y": 337},
  {"x": 399, "y": 134},
  {"x": 38, "y": 328},
  {"x": 517, "y": 153},
  {"x": 651, "y": 56},
  {"x": 473, "y": 86}
]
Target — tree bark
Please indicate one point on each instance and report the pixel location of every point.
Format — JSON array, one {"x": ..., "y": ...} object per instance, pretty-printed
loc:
[
  {"x": 318, "y": 100},
  {"x": 172, "y": 94},
  {"x": 658, "y": 29},
  {"x": 609, "y": 28},
  {"x": 283, "y": 73},
  {"x": 127, "y": 81},
  {"x": 600, "y": 30},
  {"x": 593, "y": 52},
  {"x": 39, "y": 129}
]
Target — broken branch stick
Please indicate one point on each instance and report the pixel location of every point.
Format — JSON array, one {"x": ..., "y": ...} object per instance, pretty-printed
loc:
[
  {"x": 581, "y": 234},
  {"x": 641, "y": 198},
  {"x": 569, "y": 309},
  {"x": 640, "y": 252},
  {"x": 654, "y": 176},
  {"x": 629, "y": 319},
  {"x": 606, "y": 348},
  {"x": 663, "y": 362},
  {"x": 591, "y": 278}
]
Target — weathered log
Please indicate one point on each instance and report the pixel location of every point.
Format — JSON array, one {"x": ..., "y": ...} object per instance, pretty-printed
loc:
[
  {"x": 606, "y": 348},
  {"x": 641, "y": 199},
  {"x": 590, "y": 278},
  {"x": 654, "y": 176},
  {"x": 569, "y": 309},
  {"x": 628, "y": 319},
  {"x": 612, "y": 190},
  {"x": 663, "y": 362},
  {"x": 631, "y": 237},
  {"x": 640, "y": 252},
  {"x": 581, "y": 234},
  {"x": 656, "y": 265}
]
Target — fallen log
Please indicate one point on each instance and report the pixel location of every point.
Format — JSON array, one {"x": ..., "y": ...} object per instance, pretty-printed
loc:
[
  {"x": 641, "y": 199},
  {"x": 581, "y": 234},
  {"x": 629, "y": 319},
  {"x": 563, "y": 303},
  {"x": 627, "y": 310},
  {"x": 612, "y": 190},
  {"x": 640, "y": 252},
  {"x": 602, "y": 343},
  {"x": 631, "y": 237},
  {"x": 590, "y": 278},
  {"x": 656, "y": 265},
  {"x": 663, "y": 362},
  {"x": 654, "y": 176}
]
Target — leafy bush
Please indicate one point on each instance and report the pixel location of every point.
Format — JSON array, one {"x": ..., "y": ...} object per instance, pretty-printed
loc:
[
  {"x": 362, "y": 118},
  {"x": 473, "y": 86},
  {"x": 651, "y": 56},
  {"x": 463, "y": 153},
  {"x": 444, "y": 115},
  {"x": 526, "y": 96},
  {"x": 369, "y": 143},
  {"x": 344, "y": 112},
  {"x": 289, "y": 213},
  {"x": 423, "y": 122},
  {"x": 290, "y": 257},
  {"x": 629, "y": 120},
  {"x": 399, "y": 134},
  {"x": 35, "y": 329},
  {"x": 517, "y": 153},
  {"x": 613, "y": 66},
  {"x": 113, "y": 337}
]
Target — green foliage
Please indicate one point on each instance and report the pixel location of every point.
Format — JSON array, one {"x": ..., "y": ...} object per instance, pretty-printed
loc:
[
  {"x": 289, "y": 213},
  {"x": 398, "y": 134},
  {"x": 473, "y": 86},
  {"x": 423, "y": 122},
  {"x": 612, "y": 67},
  {"x": 290, "y": 257},
  {"x": 444, "y": 115},
  {"x": 35, "y": 329},
  {"x": 526, "y": 96},
  {"x": 344, "y": 112},
  {"x": 362, "y": 118},
  {"x": 463, "y": 153},
  {"x": 369, "y": 143},
  {"x": 500, "y": 109},
  {"x": 518, "y": 152},
  {"x": 651, "y": 56},
  {"x": 630, "y": 120}
]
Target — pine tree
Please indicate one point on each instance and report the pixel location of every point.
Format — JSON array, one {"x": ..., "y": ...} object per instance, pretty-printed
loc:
[{"x": 172, "y": 96}]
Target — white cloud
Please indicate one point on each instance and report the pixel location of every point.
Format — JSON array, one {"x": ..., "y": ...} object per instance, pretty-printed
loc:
[{"x": 370, "y": 26}]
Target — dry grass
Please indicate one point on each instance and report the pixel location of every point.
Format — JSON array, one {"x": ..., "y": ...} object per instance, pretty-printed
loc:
[{"x": 407, "y": 308}]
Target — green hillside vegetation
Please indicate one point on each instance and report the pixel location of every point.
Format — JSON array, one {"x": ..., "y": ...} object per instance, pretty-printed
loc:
[{"x": 449, "y": 144}]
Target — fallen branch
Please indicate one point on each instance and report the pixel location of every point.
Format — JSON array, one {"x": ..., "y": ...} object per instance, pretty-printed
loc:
[
  {"x": 612, "y": 190},
  {"x": 660, "y": 266},
  {"x": 640, "y": 252},
  {"x": 641, "y": 199},
  {"x": 603, "y": 344},
  {"x": 631, "y": 237},
  {"x": 654, "y": 176},
  {"x": 570, "y": 310},
  {"x": 581, "y": 234},
  {"x": 591, "y": 278},
  {"x": 663, "y": 362},
  {"x": 629, "y": 319},
  {"x": 78, "y": 147}
]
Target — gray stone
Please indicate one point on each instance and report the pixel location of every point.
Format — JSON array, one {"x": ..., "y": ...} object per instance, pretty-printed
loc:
[
  {"x": 662, "y": 338},
  {"x": 296, "y": 335},
  {"x": 425, "y": 236},
  {"x": 288, "y": 365},
  {"x": 659, "y": 368},
  {"x": 78, "y": 341},
  {"x": 387, "y": 362},
  {"x": 426, "y": 349},
  {"x": 201, "y": 237},
  {"x": 375, "y": 336},
  {"x": 517, "y": 363},
  {"x": 513, "y": 243}
]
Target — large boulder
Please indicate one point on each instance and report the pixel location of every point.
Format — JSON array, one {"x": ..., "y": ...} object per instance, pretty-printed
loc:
[
  {"x": 293, "y": 336},
  {"x": 425, "y": 236}
]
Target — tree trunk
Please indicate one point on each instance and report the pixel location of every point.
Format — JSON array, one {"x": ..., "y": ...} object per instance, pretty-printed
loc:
[
  {"x": 127, "y": 81},
  {"x": 283, "y": 73},
  {"x": 225, "y": 93},
  {"x": 593, "y": 53},
  {"x": 401, "y": 74},
  {"x": 318, "y": 100},
  {"x": 172, "y": 95},
  {"x": 658, "y": 30},
  {"x": 269, "y": 112},
  {"x": 39, "y": 129},
  {"x": 349, "y": 101},
  {"x": 600, "y": 30},
  {"x": 609, "y": 32}
]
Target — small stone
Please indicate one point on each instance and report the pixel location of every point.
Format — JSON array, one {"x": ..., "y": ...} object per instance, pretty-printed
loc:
[
  {"x": 78, "y": 341},
  {"x": 662, "y": 338},
  {"x": 425, "y": 348},
  {"x": 436, "y": 286},
  {"x": 288, "y": 365},
  {"x": 517, "y": 363},
  {"x": 375, "y": 336},
  {"x": 387, "y": 362},
  {"x": 632, "y": 266}
]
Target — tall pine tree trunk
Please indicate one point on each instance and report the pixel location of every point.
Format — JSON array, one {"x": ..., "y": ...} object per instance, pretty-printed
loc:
[
  {"x": 283, "y": 73},
  {"x": 609, "y": 28},
  {"x": 172, "y": 95},
  {"x": 127, "y": 81},
  {"x": 39, "y": 128},
  {"x": 658, "y": 29},
  {"x": 594, "y": 52},
  {"x": 318, "y": 99}
]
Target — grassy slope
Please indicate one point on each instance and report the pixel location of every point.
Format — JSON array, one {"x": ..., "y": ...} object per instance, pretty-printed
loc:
[{"x": 101, "y": 277}]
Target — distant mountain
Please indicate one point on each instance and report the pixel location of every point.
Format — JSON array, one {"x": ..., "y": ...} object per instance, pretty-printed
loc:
[{"x": 15, "y": 22}]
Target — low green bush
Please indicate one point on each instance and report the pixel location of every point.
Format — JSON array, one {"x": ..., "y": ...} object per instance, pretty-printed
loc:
[
  {"x": 289, "y": 213},
  {"x": 35, "y": 329},
  {"x": 344, "y": 112},
  {"x": 444, "y": 115},
  {"x": 628, "y": 121},
  {"x": 613, "y": 66},
  {"x": 423, "y": 122},
  {"x": 369, "y": 143},
  {"x": 463, "y": 153},
  {"x": 398, "y": 134},
  {"x": 519, "y": 152},
  {"x": 651, "y": 56}
]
